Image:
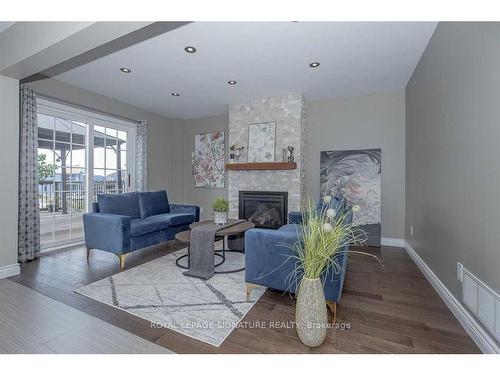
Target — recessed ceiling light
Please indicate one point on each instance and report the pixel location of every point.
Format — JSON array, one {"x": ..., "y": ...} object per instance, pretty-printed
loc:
[
  {"x": 232, "y": 82},
  {"x": 190, "y": 49},
  {"x": 314, "y": 64},
  {"x": 175, "y": 94},
  {"x": 126, "y": 70}
]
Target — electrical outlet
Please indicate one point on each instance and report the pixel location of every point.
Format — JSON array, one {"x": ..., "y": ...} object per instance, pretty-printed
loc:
[
  {"x": 411, "y": 230},
  {"x": 201, "y": 210},
  {"x": 460, "y": 272}
]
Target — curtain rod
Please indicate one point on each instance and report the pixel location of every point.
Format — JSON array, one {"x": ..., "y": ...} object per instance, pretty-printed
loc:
[{"x": 61, "y": 101}]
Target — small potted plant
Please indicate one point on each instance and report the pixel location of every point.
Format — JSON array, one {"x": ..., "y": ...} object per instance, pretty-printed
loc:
[{"x": 221, "y": 207}]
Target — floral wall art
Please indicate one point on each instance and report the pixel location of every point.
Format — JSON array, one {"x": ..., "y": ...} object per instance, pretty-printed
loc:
[
  {"x": 208, "y": 160},
  {"x": 261, "y": 142}
]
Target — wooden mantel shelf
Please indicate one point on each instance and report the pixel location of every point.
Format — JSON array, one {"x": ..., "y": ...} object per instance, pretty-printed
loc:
[{"x": 277, "y": 165}]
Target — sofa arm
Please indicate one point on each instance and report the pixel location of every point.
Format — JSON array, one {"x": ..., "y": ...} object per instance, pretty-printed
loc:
[
  {"x": 186, "y": 209},
  {"x": 269, "y": 258},
  {"x": 107, "y": 232},
  {"x": 294, "y": 217},
  {"x": 267, "y": 241}
]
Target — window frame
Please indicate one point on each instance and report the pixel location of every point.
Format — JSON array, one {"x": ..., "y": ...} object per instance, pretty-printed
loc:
[{"x": 91, "y": 119}]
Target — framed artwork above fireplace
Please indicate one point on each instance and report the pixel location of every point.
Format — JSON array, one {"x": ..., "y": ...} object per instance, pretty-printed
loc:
[{"x": 261, "y": 142}]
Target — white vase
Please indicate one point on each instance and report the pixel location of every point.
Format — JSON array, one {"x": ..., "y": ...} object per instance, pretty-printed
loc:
[
  {"x": 311, "y": 313},
  {"x": 237, "y": 155},
  {"x": 220, "y": 218}
]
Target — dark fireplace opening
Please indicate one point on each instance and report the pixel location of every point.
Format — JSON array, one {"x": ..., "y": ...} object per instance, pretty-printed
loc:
[{"x": 266, "y": 209}]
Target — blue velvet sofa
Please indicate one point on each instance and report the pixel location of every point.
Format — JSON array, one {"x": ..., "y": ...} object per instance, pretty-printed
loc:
[
  {"x": 269, "y": 261},
  {"x": 122, "y": 223}
]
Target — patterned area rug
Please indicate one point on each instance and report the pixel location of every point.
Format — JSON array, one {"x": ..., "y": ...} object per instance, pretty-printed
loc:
[{"x": 158, "y": 292}]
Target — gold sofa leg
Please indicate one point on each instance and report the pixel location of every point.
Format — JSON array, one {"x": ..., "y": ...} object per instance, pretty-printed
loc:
[
  {"x": 332, "y": 306},
  {"x": 122, "y": 258},
  {"x": 88, "y": 253},
  {"x": 250, "y": 286}
]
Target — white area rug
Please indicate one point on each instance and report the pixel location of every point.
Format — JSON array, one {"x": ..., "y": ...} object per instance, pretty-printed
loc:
[{"x": 158, "y": 291}]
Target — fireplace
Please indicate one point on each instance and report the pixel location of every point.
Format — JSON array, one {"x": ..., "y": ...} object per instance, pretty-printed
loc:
[{"x": 266, "y": 209}]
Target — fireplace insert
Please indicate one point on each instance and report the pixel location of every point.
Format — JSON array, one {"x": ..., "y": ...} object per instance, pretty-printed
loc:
[{"x": 266, "y": 209}]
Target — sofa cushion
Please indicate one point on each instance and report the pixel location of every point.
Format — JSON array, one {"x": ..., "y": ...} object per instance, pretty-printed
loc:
[
  {"x": 119, "y": 204},
  {"x": 153, "y": 203},
  {"x": 157, "y": 223},
  {"x": 178, "y": 219}
]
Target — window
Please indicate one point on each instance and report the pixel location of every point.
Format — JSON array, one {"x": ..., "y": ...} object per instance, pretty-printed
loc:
[
  {"x": 70, "y": 176},
  {"x": 110, "y": 161}
]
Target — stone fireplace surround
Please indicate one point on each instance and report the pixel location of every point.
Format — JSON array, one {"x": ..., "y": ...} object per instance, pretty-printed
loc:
[{"x": 288, "y": 112}]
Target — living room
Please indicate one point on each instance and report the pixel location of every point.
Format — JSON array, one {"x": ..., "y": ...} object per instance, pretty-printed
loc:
[{"x": 271, "y": 187}]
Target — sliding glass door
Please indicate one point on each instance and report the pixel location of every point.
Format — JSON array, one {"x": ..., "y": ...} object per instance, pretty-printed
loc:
[
  {"x": 80, "y": 155},
  {"x": 62, "y": 176},
  {"x": 110, "y": 166}
]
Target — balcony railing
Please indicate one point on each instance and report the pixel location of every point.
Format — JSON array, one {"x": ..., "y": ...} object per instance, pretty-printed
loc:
[{"x": 69, "y": 197}]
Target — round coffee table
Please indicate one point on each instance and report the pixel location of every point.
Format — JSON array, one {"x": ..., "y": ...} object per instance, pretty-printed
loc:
[{"x": 237, "y": 230}]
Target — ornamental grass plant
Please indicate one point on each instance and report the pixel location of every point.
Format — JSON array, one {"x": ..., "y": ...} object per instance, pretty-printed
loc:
[{"x": 325, "y": 234}]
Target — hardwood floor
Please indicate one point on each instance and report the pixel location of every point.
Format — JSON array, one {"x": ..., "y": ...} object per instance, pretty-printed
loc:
[
  {"x": 31, "y": 323},
  {"x": 389, "y": 309}
]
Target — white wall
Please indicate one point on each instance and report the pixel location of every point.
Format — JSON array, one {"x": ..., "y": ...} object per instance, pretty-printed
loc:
[
  {"x": 452, "y": 153},
  {"x": 202, "y": 197},
  {"x": 368, "y": 121},
  {"x": 9, "y": 161}
]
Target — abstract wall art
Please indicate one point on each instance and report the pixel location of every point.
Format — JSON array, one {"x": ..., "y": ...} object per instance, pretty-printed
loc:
[
  {"x": 356, "y": 176},
  {"x": 208, "y": 160},
  {"x": 261, "y": 142}
]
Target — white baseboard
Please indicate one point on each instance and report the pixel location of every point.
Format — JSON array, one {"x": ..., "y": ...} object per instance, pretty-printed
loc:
[
  {"x": 388, "y": 241},
  {"x": 481, "y": 337},
  {"x": 8, "y": 271}
]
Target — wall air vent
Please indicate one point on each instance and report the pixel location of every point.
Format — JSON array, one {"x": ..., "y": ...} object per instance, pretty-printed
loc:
[{"x": 482, "y": 301}]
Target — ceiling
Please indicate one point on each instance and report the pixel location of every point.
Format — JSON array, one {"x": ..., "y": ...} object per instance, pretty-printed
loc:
[
  {"x": 5, "y": 25},
  {"x": 265, "y": 58}
]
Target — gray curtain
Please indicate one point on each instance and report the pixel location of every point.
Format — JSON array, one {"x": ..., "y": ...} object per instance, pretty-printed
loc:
[
  {"x": 29, "y": 213},
  {"x": 141, "y": 157}
]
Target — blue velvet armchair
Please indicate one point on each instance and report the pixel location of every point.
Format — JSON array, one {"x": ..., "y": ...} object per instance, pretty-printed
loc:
[
  {"x": 269, "y": 260},
  {"x": 122, "y": 223}
]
